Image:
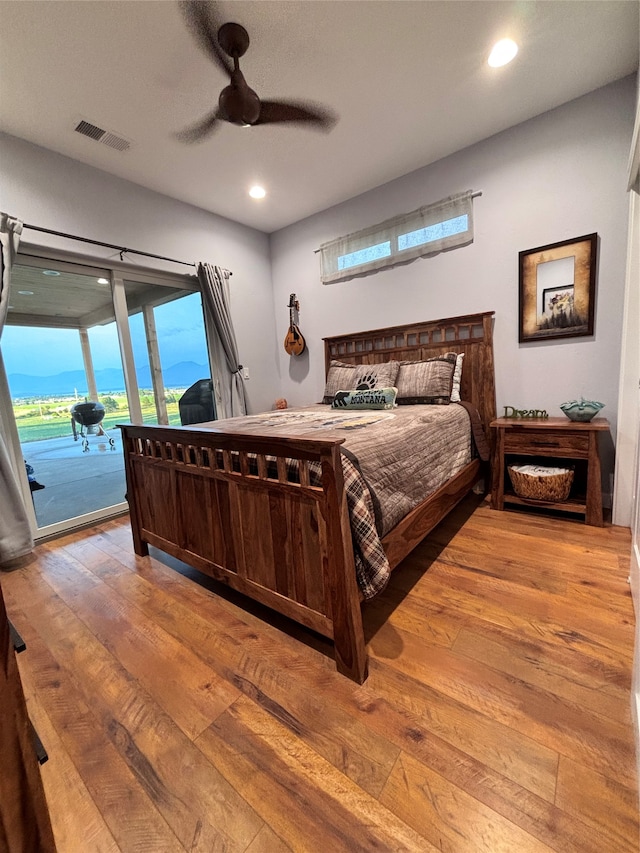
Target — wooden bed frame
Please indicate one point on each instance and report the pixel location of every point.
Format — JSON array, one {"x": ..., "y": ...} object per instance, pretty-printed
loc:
[{"x": 193, "y": 493}]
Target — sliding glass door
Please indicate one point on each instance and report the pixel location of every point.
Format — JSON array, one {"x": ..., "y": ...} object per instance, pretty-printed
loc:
[
  {"x": 169, "y": 348},
  {"x": 84, "y": 349}
]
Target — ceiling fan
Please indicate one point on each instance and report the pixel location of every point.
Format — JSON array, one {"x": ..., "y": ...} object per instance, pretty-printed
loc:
[{"x": 238, "y": 103}]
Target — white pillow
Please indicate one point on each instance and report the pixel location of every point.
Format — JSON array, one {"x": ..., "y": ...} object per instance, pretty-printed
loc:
[{"x": 457, "y": 376}]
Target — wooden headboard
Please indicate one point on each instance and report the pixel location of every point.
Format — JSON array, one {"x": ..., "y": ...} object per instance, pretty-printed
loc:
[{"x": 471, "y": 334}]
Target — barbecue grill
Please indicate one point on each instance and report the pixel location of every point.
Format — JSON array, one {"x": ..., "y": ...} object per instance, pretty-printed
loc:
[
  {"x": 89, "y": 416},
  {"x": 196, "y": 405}
]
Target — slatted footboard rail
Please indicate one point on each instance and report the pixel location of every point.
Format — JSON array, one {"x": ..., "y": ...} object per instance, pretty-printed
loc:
[{"x": 231, "y": 506}]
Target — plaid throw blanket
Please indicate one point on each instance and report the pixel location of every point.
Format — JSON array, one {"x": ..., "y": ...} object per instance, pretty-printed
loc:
[{"x": 372, "y": 566}]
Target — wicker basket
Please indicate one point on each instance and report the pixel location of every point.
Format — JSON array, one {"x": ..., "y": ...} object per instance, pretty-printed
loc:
[{"x": 535, "y": 483}]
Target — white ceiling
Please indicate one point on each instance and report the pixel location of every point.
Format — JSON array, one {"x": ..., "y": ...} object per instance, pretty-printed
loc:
[{"x": 409, "y": 81}]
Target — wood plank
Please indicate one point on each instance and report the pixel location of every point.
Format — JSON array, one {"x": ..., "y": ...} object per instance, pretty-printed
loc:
[
  {"x": 499, "y": 748},
  {"x": 448, "y": 817},
  {"x": 416, "y": 616},
  {"x": 525, "y": 610},
  {"x": 521, "y": 751},
  {"x": 480, "y": 556},
  {"x": 568, "y": 560},
  {"x": 556, "y": 532},
  {"x": 514, "y": 802},
  {"x": 303, "y": 798},
  {"x": 557, "y": 723},
  {"x": 604, "y": 804},
  {"x": 266, "y": 841},
  {"x": 448, "y": 606},
  {"x": 253, "y": 521},
  {"x": 569, "y": 674}
]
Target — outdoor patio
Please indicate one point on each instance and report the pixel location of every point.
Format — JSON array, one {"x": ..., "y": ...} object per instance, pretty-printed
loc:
[{"x": 75, "y": 482}]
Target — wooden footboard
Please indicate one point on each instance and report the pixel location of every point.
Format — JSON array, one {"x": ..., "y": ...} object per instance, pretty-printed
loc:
[{"x": 212, "y": 500}]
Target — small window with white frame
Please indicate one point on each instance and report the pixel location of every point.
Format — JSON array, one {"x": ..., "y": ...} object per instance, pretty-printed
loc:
[{"x": 435, "y": 228}]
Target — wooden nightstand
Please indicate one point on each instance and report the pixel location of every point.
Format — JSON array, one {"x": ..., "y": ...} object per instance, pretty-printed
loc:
[{"x": 549, "y": 439}]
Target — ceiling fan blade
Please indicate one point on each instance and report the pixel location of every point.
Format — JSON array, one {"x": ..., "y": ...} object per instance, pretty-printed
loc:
[
  {"x": 279, "y": 112},
  {"x": 197, "y": 132},
  {"x": 201, "y": 21}
]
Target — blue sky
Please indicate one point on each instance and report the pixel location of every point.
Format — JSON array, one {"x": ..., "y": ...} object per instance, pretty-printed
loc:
[{"x": 46, "y": 352}]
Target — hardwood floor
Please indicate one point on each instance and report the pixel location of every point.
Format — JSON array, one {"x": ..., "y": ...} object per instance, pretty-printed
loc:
[{"x": 496, "y": 717}]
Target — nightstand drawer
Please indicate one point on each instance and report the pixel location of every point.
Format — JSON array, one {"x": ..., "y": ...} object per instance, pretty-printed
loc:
[{"x": 546, "y": 442}]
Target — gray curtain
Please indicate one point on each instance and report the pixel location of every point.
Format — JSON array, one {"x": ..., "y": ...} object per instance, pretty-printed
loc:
[
  {"x": 15, "y": 532},
  {"x": 227, "y": 371}
]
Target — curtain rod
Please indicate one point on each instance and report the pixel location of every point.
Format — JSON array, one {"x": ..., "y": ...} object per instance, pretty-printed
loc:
[{"x": 120, "y": 249}]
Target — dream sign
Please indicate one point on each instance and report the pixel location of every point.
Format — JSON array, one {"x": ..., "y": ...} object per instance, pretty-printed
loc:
[{"x": 511, "y": 412}]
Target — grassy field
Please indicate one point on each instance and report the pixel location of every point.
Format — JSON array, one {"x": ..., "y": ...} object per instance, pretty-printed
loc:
[{"x": 50, "y": 417}]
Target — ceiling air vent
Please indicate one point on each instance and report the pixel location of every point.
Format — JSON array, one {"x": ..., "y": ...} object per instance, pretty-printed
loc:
[
  {"x": 101, "y": 135},
  {"x": 90, "y": 130},
  {"x": 116, "y": 142}
]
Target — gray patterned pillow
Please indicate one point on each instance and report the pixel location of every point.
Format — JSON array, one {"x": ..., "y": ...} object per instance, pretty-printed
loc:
[
  {"x": 349, "y": 377},
  {"x": 427, "y": 381}
]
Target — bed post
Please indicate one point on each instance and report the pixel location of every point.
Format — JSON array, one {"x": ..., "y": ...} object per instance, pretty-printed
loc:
[
  {"x": 140, "y": 547},
  {"x": 488, "y": 390},
  {"x": 348, "y": 633}
]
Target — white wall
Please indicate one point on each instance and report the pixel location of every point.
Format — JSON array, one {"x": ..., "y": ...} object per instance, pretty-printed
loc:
[
  {"x": 52, "y": 191},
  {"x": 560, "y": 175}
]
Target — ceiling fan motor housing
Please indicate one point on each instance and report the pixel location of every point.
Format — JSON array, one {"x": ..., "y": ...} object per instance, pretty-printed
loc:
[
  {"x": 239, "y": 104},
  {"x": 233, "y": 39}
]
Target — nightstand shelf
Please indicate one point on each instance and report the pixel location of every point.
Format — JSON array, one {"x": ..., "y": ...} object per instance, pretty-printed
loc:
[
  {"x": 550, "y": 441},
  {"x": 570, "y": 505}
]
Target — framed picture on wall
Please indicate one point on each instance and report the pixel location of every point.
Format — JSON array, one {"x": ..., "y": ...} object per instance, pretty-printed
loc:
[{"x": 558, "y": 289}]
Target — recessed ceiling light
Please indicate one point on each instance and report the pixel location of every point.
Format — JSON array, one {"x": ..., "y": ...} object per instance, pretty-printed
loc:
[
  {"x": 502, "y": 52},
  {"x": 50, "y": 272},
  {"x": 25, "y": 292},
  {"x": 103, "y": 281},
  {"x": 257, "y": 192}
]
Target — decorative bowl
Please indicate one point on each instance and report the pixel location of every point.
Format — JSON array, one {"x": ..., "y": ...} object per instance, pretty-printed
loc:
[{"x": 581, "y": 410}]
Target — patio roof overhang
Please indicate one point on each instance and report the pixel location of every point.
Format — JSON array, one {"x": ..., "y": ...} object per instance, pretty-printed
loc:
[{"x": 52, "y": 293}]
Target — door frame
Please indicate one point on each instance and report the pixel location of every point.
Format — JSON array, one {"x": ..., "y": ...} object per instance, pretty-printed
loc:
[
  {"x": 118, "y": 271},
  {"x": 626, "y": 506}
]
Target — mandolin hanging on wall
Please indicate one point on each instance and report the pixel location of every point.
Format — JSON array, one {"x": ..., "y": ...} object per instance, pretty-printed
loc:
[{"x": 294, "y": 342}]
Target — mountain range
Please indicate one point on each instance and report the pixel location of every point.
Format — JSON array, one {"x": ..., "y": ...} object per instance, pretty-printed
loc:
[{"x": 108, "y": 380}]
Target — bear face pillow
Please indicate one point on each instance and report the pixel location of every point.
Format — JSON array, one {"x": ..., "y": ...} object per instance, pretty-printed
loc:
[{"x": 358, "y": 377}]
